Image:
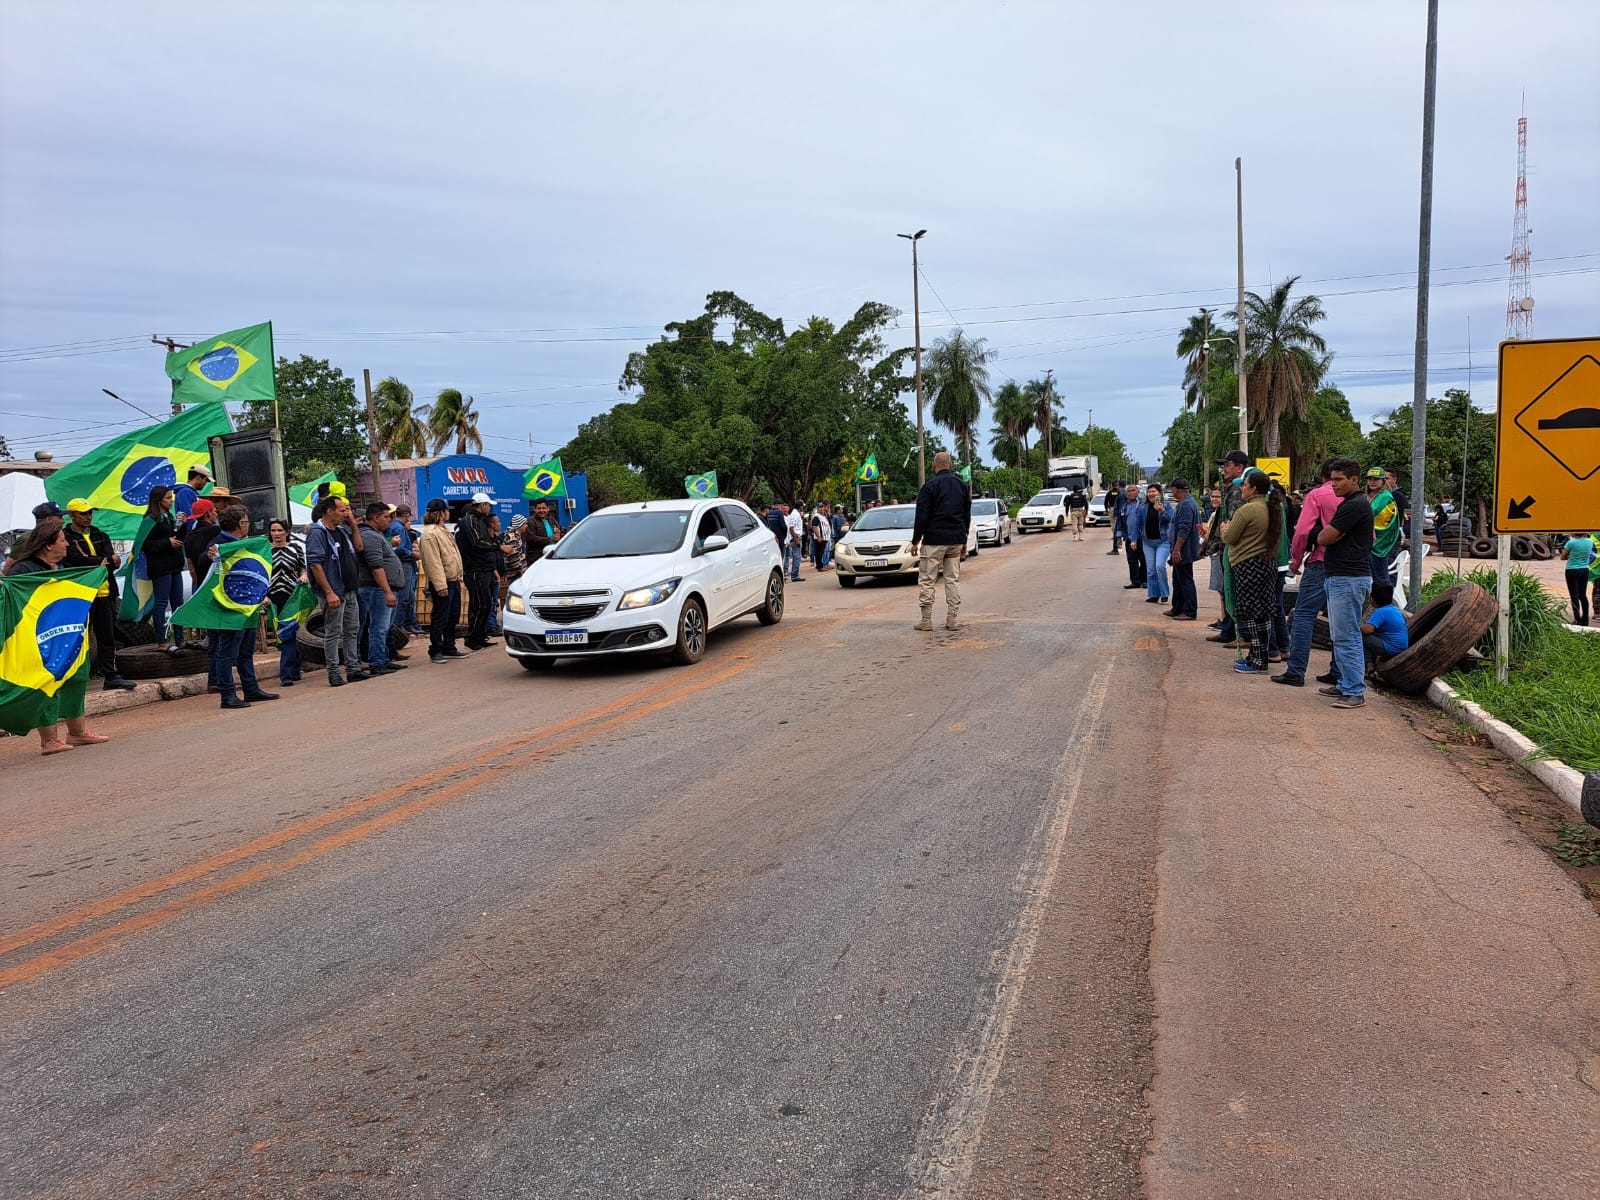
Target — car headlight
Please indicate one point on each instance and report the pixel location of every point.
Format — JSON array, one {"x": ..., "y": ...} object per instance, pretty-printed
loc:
[
  {"x": 514, "y": 603},
  {"x": 646, "y": 596}
]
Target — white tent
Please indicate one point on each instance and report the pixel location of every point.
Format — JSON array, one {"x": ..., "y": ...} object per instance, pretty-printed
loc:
[{"x": 20, "y": 492}]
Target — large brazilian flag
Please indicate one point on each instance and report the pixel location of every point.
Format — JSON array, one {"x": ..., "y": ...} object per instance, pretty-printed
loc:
[
  {"x": 231, "y": 366},
  {"x": 702, "y": 486},
  {"x": 547, "y": 481},
  {"x": 116, "y": 478},
  {"x": 44, "y": 646},
  {"x": 232, "y": 593}
]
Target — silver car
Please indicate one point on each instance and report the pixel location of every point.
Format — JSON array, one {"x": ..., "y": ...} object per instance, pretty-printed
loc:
[{"x": 992, "y": 522}]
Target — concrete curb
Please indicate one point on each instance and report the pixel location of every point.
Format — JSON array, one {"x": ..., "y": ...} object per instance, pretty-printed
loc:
[
  {"x": 148, "y": 691},
  {"x": 1565, "y": 782}
]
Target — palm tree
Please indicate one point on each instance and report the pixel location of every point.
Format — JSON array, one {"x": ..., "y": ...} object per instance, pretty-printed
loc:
[
  {"x": 402, "y": 428},
  {"x": 1285, "y": 358},
  {"x": 1013, "y": 417},
  {"x": 956, "y": 376},
  {"x": 451, "y": 416},
  {"x": 1042, "y": 392},
  {"x": 1205, "y": 347}
]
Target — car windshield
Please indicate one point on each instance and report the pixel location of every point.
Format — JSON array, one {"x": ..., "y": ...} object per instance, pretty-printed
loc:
[
  {"x": 1099, "y": 499},
  {"x": 1045, "y": 500},
  {"x": 624, "y": 535},
  {"x": 984, "y": 508},
  {"x": 885, "y": 518}
]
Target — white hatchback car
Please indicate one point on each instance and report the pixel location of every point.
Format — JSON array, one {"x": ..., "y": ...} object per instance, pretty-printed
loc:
[
  {"x": 642, "y": 578},
  {"x": 1047, "y": 510}
]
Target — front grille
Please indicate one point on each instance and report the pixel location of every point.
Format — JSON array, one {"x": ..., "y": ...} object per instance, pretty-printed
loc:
[
  {"x": 873, "y": 551},
  {"x": 569, "y": 614},
  {"x": 613, "y": 639}
]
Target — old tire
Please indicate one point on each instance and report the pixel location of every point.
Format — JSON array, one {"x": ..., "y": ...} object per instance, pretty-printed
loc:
[
  {"x": 691, "y": 644},
  {"x": 152, "y": 662},
  {"x": 1441, "y": 632},
  {"x": 771, "y": 611},
  {"x": 135, "y": 633},
  {"x": 1484, "y": 548},
  {"x": 1521, "y": 549},
  {"x": 1539, "y": 550},
  {"x": 309, "y": 640}
]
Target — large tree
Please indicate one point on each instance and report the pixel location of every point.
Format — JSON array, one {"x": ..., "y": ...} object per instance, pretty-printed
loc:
[
  {"x": 402, "y": 427},
  {"x": 1285, "y": 357},
  {"x": 1460, "y": 450},
  {"x": 320, "y": 416},
  {"x": 1013, "y": 421},
  {"x": 956, "y": 376},
  {"x": 1046, "y": 409},
  {"x": 451, "y": 418}
]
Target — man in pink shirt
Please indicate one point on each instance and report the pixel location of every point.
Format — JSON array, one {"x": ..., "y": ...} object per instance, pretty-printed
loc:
[{"x": 1305, "y": 553}]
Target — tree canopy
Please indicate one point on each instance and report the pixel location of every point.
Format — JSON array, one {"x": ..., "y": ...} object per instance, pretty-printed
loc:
[{"x": 321, "y": 418}]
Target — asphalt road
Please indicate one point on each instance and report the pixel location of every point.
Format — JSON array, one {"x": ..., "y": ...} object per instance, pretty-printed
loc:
[{"x": 845, "y": 910}]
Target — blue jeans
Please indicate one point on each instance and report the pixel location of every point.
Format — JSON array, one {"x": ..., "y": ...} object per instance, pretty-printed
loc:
[
  {"x": 1346, "y": 595},
  {"x": 166, "y": 596},
  {"x": 405, "y": 610},
  {"x": 376, "y": 613},
  {"x": 1312, "y": 601},
  {"x": 1155, "y": 569},
  {"x": 288, "y": 661},
  {"x": 791, "y": 559},
  {"x": 230, "y": 649}
]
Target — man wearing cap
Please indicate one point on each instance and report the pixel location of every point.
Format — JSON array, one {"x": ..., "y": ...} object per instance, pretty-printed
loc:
[
  {"x": 379, "y": 577},
  {"x": 203, "y": 530},
  {"x": 399, "y": 535},
  {"x": 1233, "y": 465},
  {"x": 1185, "y": 537},
  {"x": 441, "y": 564},
  {"x": 1385, "y": 524},
  {"x": 90, "y": 547},
  {"x": 185, "y": 494},
  {"x": 481, "y": 555},
  {"x": 48, "y": 509}
]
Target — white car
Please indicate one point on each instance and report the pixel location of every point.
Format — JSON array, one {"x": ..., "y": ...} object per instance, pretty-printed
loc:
[
  {"x": 992, "y": 524},
  {"x": 1098, "y": 514},
  {"x": 879, "y": 544},
  {"x": 642, "y": 578},
  {"x": 1047, "y": 510}
]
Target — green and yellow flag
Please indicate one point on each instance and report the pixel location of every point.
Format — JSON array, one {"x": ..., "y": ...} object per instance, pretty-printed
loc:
[
  {"x": 869, "y": 470},
  {"x": 547, "y": 481},
  {"x": 138, "y": 593},
  {"x": 44, "y": 646},
  {"x": 702, "y": 486},
  {"x": 116, "y": 477},
  {"x": 290, "y": 616},
  {"x": 306, "y": 493},
  {"x": 966, "y": 474},
  {"x": 231, "y": 366},
  {"x": 232, "y": 593}
]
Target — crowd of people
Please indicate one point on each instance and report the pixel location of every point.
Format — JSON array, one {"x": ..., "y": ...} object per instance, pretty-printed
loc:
[{"x": 804, "y": 538}]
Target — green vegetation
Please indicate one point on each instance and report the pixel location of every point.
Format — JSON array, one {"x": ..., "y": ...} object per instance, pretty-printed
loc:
[
  {"x": 1578, "y": 845},
  {"x": 451, "y": 418},
  {"x": 322, "y": 420}
]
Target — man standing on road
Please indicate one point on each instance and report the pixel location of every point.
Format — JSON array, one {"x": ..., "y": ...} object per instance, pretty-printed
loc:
[
  {"x": 1402, "y": 504},
  {"x": 1316, "y": 513},
  {"x": 331, "y": 564},
  {"x": 773, "y": 519},
  {"x": 480, "y": 558},
  {"x": 1116, "y": 505},
  {"x": 944, "y": 514},
  {"x": 1385, "y": 524},
  {"x": 90, "y": 547},
  {"x": 379, "y": 576},
  {"x": 1078, "y": 510},
  {"x": 441, "y": 563},
  {"x": 1348, "y": 562},
  {"x": 1130, "y": 539},
  {"x": 1185, "y": 537},
  {"x": 400, "y": 537},
  {"x": 235, "y": 649},
  {"x": 793, "y": 542},
  {"x": 1233, "y": 466}
]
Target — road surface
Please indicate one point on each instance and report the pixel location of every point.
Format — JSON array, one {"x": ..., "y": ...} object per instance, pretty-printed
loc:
[{"x": 1049, "y": 906}]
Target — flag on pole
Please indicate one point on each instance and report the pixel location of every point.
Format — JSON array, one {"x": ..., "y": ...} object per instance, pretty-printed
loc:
[
  {"x": 703, "y": 486},
  {"x": 547, "y": 481},
  {"x": 116, "y": 477},
  {"x": 138, "y": 593},
  {"x": 305, "y": 494},
  {"x": 869, "y": 470},
  {"x": 233, "y": 591},
  {"x": 231, "y": 366},
  {"x": 966, "y": 474},
  {"x": 44, "y": 645}
]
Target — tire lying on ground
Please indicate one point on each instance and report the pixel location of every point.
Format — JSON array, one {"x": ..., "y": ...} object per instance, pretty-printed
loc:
[
  {"x": 151, "y": 662},
  {"x": 1521, "y": 549},
  {"x": 1441, "y": 633},
  {"x": 135, "y": 633},
  {"x": 309, "y": 639},
  {"x": 1483, "y": 548},
  {"x": 1540, "y": 549}
]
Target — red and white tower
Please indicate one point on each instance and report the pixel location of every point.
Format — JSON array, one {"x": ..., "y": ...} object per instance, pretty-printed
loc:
[{"x": 1519, "y": 305}]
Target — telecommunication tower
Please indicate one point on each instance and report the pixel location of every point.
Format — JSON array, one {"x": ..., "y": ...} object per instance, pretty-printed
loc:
[{"x": 1519, "y": 305}]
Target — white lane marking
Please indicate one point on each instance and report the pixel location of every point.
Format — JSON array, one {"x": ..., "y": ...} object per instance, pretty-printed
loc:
[{"x": 952, "y": 1126}]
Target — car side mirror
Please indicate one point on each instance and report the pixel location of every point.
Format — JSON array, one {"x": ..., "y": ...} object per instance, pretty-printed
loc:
[
  {"x": 549, "y": 551},
  {"x": 716, "y": 541}
]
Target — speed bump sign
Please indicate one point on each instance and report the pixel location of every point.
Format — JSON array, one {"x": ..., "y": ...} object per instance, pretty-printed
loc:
[
  {"x": 1547, "y": 437},
  {"x": 1275, "y": 468}
]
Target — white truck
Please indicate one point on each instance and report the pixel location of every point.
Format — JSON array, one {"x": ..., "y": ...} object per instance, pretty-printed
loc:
[{"x": 1074, "y": 471}]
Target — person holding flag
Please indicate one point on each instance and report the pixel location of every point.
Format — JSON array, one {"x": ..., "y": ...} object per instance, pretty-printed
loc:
[
  {"x": 90, "y": 547},
  {"x": 188, "y": 492},
  {"x": 292, "y": 600},
  {"x": 228, "y": 602},
  {"x": 44, "y": 644}
]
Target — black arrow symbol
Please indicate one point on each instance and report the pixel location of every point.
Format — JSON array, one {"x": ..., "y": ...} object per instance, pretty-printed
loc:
[{"x": 1517, "y": 510}]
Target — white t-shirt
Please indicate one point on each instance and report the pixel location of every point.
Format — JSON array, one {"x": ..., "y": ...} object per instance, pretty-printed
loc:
[
  {"x": 796, "y": 527},
  {"x": 822, "y": 526}
]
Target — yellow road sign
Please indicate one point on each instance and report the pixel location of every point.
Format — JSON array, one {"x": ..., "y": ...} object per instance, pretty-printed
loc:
[
  {"x": 1547, "y": 438},
  {"x": 1275, "y": 468}
]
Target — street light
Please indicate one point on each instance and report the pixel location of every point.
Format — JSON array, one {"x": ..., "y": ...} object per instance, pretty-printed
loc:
[{"x": 916, "y": 318}]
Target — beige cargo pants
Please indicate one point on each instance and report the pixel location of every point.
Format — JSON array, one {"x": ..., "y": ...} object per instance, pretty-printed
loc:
[{"x": 928, "y": 567}]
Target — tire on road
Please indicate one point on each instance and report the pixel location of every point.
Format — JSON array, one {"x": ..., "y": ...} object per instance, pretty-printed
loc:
[
  {"x": 691, "y": 643},
  {"x": 771, "y": 612},
  {"x": 151, "y": 662},
  {"x": 1539, "y": 550},
  {"x": 1484, "y": 548},
  {"x": 1441, "y": 632},
  {"x": 135, "y": 633},
  {"x": 309, "y": 639}
]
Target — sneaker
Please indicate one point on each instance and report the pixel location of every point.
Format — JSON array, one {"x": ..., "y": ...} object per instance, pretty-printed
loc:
[
  {"x": 116, "y": 683},
  {"x": 1152, "y": 599},
  {"x": 1215, "y": 637},
  {"x": 1351, "y": 701},
  {"x": 357, "y": 676},
  {"x": 1330, "y": 677},
  {"x": 1128, "y": 587},
  {"x": 454, "y": 652},
  {"x": 1329, "y": 691},
  {"x": 436, "y": 656},
  {"x": 335, "y": 680},
  {"x": 1243, "y": 668},
  {"x": 1291, "y": 680}
]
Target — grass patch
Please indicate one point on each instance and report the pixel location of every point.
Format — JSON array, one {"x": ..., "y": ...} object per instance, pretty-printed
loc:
[{"x": 1552, "y": 697}]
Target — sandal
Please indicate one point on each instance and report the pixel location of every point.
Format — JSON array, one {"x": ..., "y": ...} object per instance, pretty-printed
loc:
[
  {"x": 87, "y": 738},
  {"x": 54, "y": 746}
]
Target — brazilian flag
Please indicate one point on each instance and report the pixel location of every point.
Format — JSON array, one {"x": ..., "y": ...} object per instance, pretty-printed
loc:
[
  {"x": 291, "y": 615},
  {"x": 44, "y": 646},
  {"x": 231, "y": 366},
  {"x": 966, "y": 474},
  {"x": 701, "y": 487},
  {"x": 138, "y": 593},
  {"x": 116, "y": 477},
  {"x": 869, "y": 470},
  {"x": 232, "y": 593},
  {"x": 547, "y": 481},
  {"x": 306, "y": 493}
]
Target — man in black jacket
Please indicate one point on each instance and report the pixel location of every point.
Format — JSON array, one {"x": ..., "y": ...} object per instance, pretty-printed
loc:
[
  {"x": 944, "y": 514},
  {"x": 481, "y": 554},
  {"x": 90, "y": 547}
]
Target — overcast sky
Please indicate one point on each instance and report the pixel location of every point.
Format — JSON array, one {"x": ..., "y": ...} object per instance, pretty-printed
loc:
[{"x": 508, "y": 198}]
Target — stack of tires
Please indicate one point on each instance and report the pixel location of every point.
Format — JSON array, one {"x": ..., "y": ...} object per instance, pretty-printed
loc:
[{"x": 1455, "y": 536}]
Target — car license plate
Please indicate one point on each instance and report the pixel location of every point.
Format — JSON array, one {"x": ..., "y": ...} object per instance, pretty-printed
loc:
[
  {"x": 566, "y": 637},
  {"x": 877, "y": 562}
]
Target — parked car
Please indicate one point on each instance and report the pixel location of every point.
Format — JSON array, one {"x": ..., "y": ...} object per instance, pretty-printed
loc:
[
  {"x": 642, "y": 578},
  {"x": 992, "y": 524},
  {"x": 1047, "y": 510},
  {"x": 879, "y": 545},
  {"x": 1097, "y": 510}
]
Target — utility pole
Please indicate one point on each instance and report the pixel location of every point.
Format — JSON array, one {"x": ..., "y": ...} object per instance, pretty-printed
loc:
[
  {"x": 916, "y": 318},
  {"x": 1238, "y": 200},
  {"x": 1200, "y": 401},
  {"x": 1419, "y": 385},
  {"x": 172, "y": 348},
  {"x": 372, "y": 437}
]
